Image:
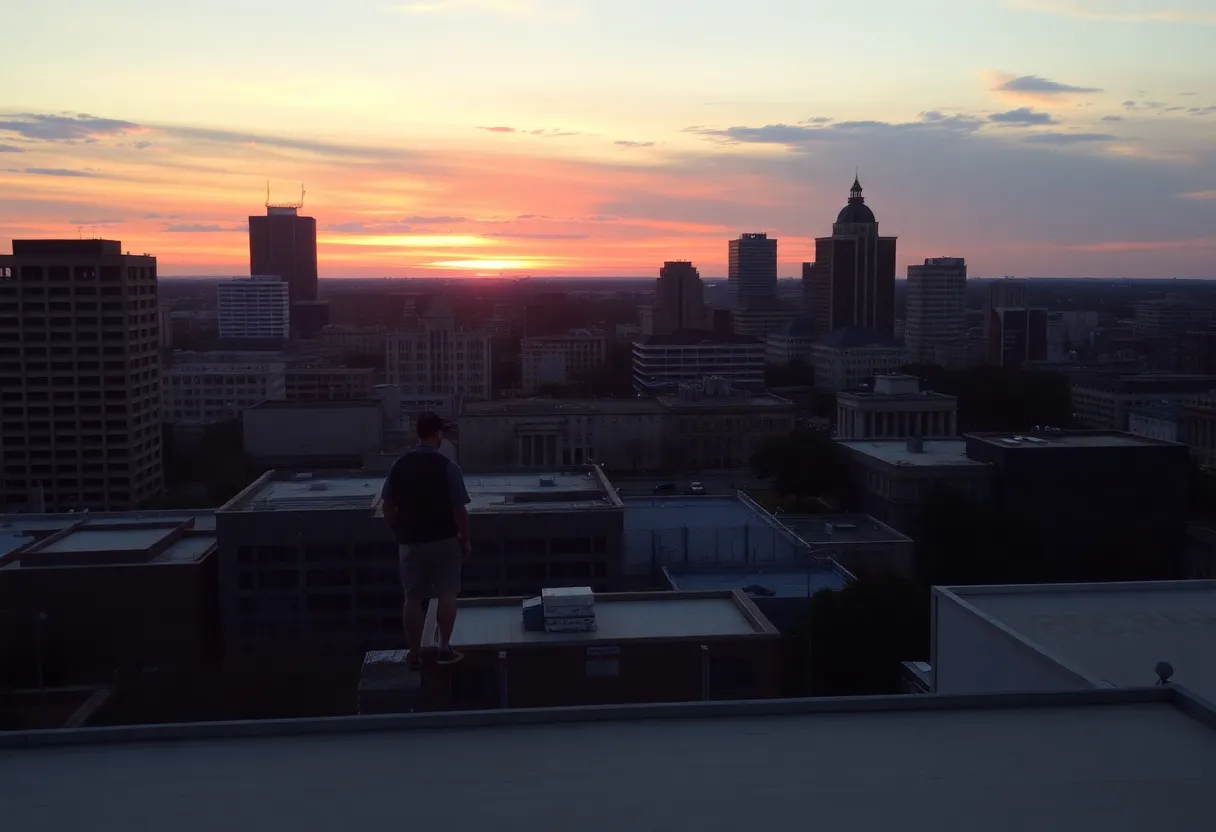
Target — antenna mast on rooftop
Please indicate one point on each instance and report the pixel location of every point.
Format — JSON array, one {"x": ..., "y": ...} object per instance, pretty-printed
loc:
[{"x": 295, "y": 205}]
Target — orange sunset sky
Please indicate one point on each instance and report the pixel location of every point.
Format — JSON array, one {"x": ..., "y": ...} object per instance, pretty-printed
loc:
[{"x": 527, "y": 137}]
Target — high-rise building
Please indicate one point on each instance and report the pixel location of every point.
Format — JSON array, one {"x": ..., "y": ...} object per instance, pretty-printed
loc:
[
  {"x": 254, "y": 308},
  {"x": 753, "y": 271},
  {"x": 1013, "y": 331},
  {"x": 79, "y": 377},
  {"x": 852, "y": 281},
  {"x": 936, "y": 320},
  {"x": 439, "y": 358},
  {"x": 285, "y": 244},
  {"x": 679, "y": 300}
]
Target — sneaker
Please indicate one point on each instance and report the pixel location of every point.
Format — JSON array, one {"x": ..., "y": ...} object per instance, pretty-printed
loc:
[{"x": 447, "y": 655}]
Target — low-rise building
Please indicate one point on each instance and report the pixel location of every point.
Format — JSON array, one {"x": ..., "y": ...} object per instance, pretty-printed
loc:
[
  {"x": 1197, "y": 430},
  {"x": 557, "y": 359},
  {"x": 355, "y": 340},
  {"x": 1156, "y": 421},
  {"x": 662, "y": 362},
  {"x": 539, "y": 434},
  {"x": 721, "y": 432},
  {"x": 857, "y": 542},
  {"x": 321, "y": 433},
  {"x": 782, "y": 595},
  {"x": 306, "y": 563},
  {"x": 1013, "y": 639},
  {"x": 437, "y": 358},
  {"x": 197, "y": 393},
  {"x": 307, "y": 383},
  {"x": 851, "y": 356},
  {"x": 646, "y": 648},
  {"x": 896, "y": 408},
  {"x": 1102, "y": 401},
  {"x": 894, "y": 478},
  {"x": 792, "y": 341},
  {"x": 88, "y": 597}
]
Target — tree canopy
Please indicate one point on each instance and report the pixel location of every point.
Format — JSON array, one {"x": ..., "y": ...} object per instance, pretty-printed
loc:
[
  {"x": 999, "y": 399},
  {"x": 802, "y": 464}
]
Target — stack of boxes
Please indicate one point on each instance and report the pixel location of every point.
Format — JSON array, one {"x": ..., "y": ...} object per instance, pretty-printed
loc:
[{"x": 563, "y": 610}]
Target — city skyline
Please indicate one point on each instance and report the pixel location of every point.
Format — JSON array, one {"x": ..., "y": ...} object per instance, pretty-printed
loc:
[{"x": 526, "y": 137}]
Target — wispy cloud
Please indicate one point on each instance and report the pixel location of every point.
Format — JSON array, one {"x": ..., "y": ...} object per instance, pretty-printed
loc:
[
  {"x": 1023, "y": 116},
  {"x": 1114, "y": 246},
  {"x": 203, "y": 228},
  {"x": 1036, "y": 85},
  {"x": 629, "y": 144},
  {"x": 63, "y": 127},
  {"x": 525, "y": 235},
  {"x": 795, "y": 134},
  {"x": 1135, "y": 11},
  {"x": 96, "y": 222},
  {"x": 1199, "y": 195},
  {"x": 8, "y": 148},
  {"x": 1069, "y": 138},
  {"x": 68, "y": 172},
  {"x": 1112, "y": 118},
  {"x": 499, "y": 129}
]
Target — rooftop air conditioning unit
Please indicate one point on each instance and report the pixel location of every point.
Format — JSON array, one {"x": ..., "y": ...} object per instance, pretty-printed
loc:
[{"x": 547, "y": 482}]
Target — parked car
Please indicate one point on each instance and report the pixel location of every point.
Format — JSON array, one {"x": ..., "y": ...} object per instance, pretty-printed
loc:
[
  {"x": 696, "y": 488},
  {"x": 665, "y": 488}
]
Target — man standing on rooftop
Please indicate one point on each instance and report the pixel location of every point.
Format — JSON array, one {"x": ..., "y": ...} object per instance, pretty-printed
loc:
[{"x": 425, "y": 503}]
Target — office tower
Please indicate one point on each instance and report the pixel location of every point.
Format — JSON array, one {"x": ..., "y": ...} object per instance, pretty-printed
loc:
[
  {"x": 439, "y": 359},
  {"x": 1017, "y": 334},
  {"x": 752, "y": 280},
  {"x": 1014, "y": 333},
  {"x": 285, "y": 244},
  {"x": 79, "y": 377},
  {"x": 852, "y": 281},
  {"x": 254, "y": 309},
  {"x": 936, "y": 321},
  {"x": 679, "y": 300}
]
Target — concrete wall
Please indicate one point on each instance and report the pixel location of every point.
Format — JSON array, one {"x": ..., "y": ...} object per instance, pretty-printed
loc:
[
  {"x": 291, "y": 433},
  {"x": 969, "y": 654}
]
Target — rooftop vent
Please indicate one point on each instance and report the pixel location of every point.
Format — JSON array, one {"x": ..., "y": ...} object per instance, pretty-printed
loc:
[
  {"x": 319, "y": 485},
  {"x": 916, "y": 445},
  {"x": 548, "y": 482},
  {"x": 302, "y": 477}
]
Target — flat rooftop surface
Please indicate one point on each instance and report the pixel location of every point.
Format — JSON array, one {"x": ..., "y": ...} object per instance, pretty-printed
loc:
[
  {"x": 781, "y": 583},
  {"x": 1114, "y": 632},
  {"x": 615, "y": 621},
  {"x": 704, "y": 531},
  {"x": 107, "y": 540},
  {"x": 846, "y": 528},
  {"x": 342, "y": 491},
  {"x": 937, "y": 453},
  {"x": 524, "y": 492},
  {"x": 1045, "y": 769},
  {"x": 1094, "y": 439}
]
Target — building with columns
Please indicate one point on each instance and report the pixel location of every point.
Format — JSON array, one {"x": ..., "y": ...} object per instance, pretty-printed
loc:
[{"x": 896, "y": 409}]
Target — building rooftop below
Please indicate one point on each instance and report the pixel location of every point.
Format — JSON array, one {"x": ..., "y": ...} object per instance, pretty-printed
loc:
[
  {"x": 560, "y": 407},
  {"x": 841, "y": 528},
  {"x": 491, "y": 623},
  {"x": 1051, "y": 763},
  {"x": 114, "y": 541},
  {"x": 316, "y": 404},
  {"x": 792, "y": 582},
  {"x": 1070, "y": 439},
  {"x": 1114, "y": 633},
  {"x": 736, "y": 398},
  {"x": 940, "y": 453},
  {"x": 285, "y": 491},
  {"x": 700, "y": 339},
  {"x": 1163, "y": 411}
]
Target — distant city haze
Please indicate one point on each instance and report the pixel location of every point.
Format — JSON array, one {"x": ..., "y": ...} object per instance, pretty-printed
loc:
[{"x": 440, "y": 138}]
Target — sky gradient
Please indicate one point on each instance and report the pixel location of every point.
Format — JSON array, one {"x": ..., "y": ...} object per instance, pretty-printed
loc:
[{"x": 602, "y": 137}]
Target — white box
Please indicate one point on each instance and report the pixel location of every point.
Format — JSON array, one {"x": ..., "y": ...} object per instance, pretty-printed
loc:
[
  {"x": 569, "y": 612},
  {"x": 562, "y": 600}
]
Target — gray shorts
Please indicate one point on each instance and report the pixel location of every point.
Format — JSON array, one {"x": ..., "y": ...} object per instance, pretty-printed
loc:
[{"x": 430, "y": 569}]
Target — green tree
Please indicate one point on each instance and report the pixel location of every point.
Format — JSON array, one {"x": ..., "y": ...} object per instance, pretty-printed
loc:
[
  {"x": 803, "y": 464},
  {"x": 795, "y": 374},
  {"x": 858, "y": 636},
  {"x": 999, "y": 399}
]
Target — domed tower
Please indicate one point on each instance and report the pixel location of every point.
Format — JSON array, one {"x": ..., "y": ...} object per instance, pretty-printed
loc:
[{"x": 852, "y": 281}]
